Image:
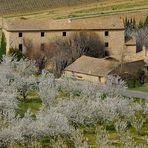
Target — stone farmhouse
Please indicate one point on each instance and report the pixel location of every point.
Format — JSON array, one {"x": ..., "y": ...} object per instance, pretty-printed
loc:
[
  {"x": 91, "y": 69},
  {"x": 97, "y": 70},
  {"x": 41, "y": 31}
]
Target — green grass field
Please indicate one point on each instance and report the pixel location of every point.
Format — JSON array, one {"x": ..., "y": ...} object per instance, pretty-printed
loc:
[
  {"x": 141, "y": 89},
  {"x": 32, "y": 104}
]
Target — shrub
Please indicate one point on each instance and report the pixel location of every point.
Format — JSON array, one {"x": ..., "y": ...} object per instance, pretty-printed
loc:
[
  {"x": 16, "y": 52},
  {"x": 136, "y": 80},
  {"x": 137, "y": 83},
  {"x": 131, "y": 83}
]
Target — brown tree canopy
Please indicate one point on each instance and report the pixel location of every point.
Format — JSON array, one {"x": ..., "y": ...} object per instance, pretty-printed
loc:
[
  {"x": 64, "y": 51},
  {"x": 78, "y": 44}
]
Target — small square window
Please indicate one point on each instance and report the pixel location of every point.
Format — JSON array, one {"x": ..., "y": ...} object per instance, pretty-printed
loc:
[
  {"x": 42, "y": 34},
  {"x": 42, "y": 46},
  {"x": 106, "y": 33},
  {"x": 20, "y": 34},
  {"x": 106, "y": 44},
  {"x": 21, "y": 47},
  {"x": 64, "y": 33}
]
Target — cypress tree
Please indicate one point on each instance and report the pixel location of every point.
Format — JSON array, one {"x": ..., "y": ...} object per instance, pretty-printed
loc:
[
  {"x": 141, "y": 24},
  {"x": 125, "y": 22},
  {"x": 134, "y": 23},
  {"x": 3, "y": 45},
  {"x": 128, "y": 23},
  {"x": 131, "y": 23},
  {"x": 146, "y": 22}
]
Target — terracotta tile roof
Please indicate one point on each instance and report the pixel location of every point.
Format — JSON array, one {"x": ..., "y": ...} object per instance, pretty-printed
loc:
[
  {"x": 63, "y": 24},
  {"x": 92, "y": 66}
]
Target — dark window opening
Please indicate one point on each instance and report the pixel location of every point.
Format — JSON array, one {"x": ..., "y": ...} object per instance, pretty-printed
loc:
[
  {"x": 42, "y": 34},
  {"x": 42, "y": 46},
  {"x": 106, "y": 33},
  {"x": 107, "y": 53},
  {"x": 20, "y": 47},
  {"x": 106, "y": 44},
  {"x": 20, "y": 34},
  {"x": 64, "y": 33},
  {"x": 99, "y": 78}
]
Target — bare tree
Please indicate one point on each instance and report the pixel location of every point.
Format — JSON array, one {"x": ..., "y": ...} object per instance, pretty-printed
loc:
[
  {"x": 35, "y": 52},
  {"x": 63, "y": 52},
  {"x": 78, "y": 44},
  {"x": 28, "y": 46}
]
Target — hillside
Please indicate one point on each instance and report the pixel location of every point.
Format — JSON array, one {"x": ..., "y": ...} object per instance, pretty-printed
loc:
[
  {"x": 25, "y": 6},
  {"x": 71, "y": 8}
]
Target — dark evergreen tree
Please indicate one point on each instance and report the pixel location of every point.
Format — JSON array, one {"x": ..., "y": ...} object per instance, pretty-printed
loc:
[
  {"x": 134, "y": 23},
  {"x": 128, "y": 23},
  {"x": 3, "y": 45},
  {"x": 141, "y": 24},
  {"x": 146, "y": 22},
  {"x": 125, "y": 22}
]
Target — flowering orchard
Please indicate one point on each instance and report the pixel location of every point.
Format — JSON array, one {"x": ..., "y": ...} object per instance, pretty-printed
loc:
[{"x": 70, "y": 110}]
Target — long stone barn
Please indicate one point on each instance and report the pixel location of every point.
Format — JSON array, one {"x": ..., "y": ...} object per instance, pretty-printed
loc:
[{"x": 40, "y": 32}]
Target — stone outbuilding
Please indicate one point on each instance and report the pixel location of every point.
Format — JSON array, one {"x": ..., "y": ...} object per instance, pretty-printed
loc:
[{"x": 91, "y": 69}]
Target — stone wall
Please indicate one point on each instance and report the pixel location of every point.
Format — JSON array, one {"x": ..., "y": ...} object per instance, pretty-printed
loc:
[
  {"x": 33, "y": 38},
  {"x": 115, "y": 39},
  {"x": 131, "y": 55},
  {"x": 80, "y": 76}
]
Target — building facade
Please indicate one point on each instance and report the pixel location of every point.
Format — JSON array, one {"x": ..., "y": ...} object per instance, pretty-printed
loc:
[{"x": 39, "y": 33}]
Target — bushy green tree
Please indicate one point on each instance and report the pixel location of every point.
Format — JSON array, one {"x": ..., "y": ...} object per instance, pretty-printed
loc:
[
  {"x": 136, "y": 80},
  {"x": 3, "y": 45}
]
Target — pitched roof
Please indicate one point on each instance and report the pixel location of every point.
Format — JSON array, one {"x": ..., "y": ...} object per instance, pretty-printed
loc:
[
  {"x": 92, "y": 66},
  {"x": 35, "y": 24},
  {"x": 62, "y": 24}
]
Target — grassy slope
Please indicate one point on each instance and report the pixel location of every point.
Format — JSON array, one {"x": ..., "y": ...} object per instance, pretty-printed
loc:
[
  {"x": 65, "y": 8},
  {"x": 21, "y": 6},
  {"x": 113, "y": 8}
]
